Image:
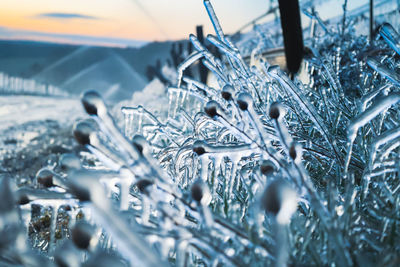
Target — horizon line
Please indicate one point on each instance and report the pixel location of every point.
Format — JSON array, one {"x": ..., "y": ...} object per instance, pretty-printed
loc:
[
  {"x": 71, "y": 39},
  {"x": 75, "y": 43}
]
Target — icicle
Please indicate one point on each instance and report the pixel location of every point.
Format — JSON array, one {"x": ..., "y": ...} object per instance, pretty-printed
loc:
[
  {"x": 204, "y": 168},
  {"x": 280, "y": 200},
  {"x": 214, "y": 111},
  {"x": 172, "y": 99},
  {"x": 329, "y": 73},
  {"x": 86, "y": 188},
  {"x": 128, "y": 123},
  {"x": 391, "y": 36},
  {"x": 214, "y": 20},
  {"x": 369, "y": 114},
  {"x": 384, "y": 138},
  {"x": 384, "y": 71},
  {"x": 150, "y": 117},
  {"x": 223, "y": 47},
  {"x": 368, "y": 97},
  {"x": 210, "y": 92},
  {"x": 214, "y": 70},
  {"x": 385, "y": 150},
  {"x": 375, "y": 109},
  {"x": 125, "y": 184},
  {"x": 199, "y": 47},
  {"x": 234, "y": 53},
  {"x": 94, "y": 106},
  {"x": 74, "y": 211},
  {"x": 153, "y": 170},
  {"x": 245, "y": 103},
  {"x": 304, "y": 104},
  {"x": 276, "y": 112},
  {"x": 86, "y": 136},
  {"x": 185, "y": 64},
  {"x": 201, "y": 195},
  {"x": 232, "y": 178},
  {"x": 53, "y": 225}
]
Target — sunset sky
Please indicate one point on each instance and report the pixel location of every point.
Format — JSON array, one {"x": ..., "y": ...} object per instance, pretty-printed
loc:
[{"x": 119, "y": 21}]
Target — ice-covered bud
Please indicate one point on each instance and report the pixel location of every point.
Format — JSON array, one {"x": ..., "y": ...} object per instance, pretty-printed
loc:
[
  {"x": 82, "y": 131},
  {"x": 84, "y": 235},
  {"x": 280, "y": 200},
  {"x": 45, "y": 177},
  {"x": 197, "y": 192},
  {"x": 48, "y": 178},
  {"x": 144, "y": 185},
  {"x": 391, "y": 36},
  {"x": 69, "y": 162},
  {"x": 199, "y": 147},
  {"x": 140, "y": 143},
  {"x": 22, "y": 199},
  {"x": 244, "y": 101},
  {"x": 227, "y": 92},
  {"x": 93, "y": 103},
  {"x": 211, "y": 108},
  {"x": 267, "y": 167},
  {"x": 295, "y": 152},
  {"x": 276, "y": 111},
  {"x": 200, "y": 193},
  {"x": 67, "y": 208}
]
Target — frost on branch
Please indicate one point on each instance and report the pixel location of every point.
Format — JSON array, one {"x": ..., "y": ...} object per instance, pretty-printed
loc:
[{"x": 256, "y": 170}]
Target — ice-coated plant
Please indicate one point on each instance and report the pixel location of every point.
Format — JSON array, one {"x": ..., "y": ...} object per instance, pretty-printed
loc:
[{"x": 258, "y": 170}]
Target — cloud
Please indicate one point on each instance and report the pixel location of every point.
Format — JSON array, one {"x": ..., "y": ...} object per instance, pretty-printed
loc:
[{"x": 57, "y": 15}]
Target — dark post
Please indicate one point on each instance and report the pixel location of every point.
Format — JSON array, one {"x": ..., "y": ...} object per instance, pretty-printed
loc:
[
  {"x": 200, "y": 34},
  {"x": 202, "y": 68},
  {"x": 371, "y": 19},
  {"x": 292, "y": 34}
]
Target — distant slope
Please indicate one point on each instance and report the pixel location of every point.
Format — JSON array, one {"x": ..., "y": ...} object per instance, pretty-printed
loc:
[
  {"x": 140, "y": 58},
  {"x": 71, "y": 64},
  {"x": 25, "y": 59},
  {"x": 114, "y": 72},
  {"x": 113, "y": 77},
  {"x": 28, "y": 59}
]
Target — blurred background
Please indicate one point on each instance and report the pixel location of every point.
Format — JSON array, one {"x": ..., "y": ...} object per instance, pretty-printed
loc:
[{"x": 64, "y": 47}]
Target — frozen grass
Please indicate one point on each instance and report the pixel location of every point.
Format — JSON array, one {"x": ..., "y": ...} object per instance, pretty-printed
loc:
[{"x": 258, "y": 170}]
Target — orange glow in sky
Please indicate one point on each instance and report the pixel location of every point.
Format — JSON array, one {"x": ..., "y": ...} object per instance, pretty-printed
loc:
[{"x": 127, "y": 19}]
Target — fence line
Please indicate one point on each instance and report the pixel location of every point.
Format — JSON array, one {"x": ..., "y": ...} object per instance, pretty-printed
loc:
[{"x": 21, "y": 86}]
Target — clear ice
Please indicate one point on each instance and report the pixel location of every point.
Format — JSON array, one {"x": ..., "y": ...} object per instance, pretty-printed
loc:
[{"x": 257, "y": 169}]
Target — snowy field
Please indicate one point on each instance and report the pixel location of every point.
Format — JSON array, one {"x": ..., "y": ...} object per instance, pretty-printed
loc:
[
  {"x": 18, "y": 110},
  {"x": 34, "y": 130}
]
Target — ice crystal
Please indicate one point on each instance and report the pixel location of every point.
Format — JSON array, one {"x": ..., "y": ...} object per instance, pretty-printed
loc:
[{"x": 259, "y": 170}]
